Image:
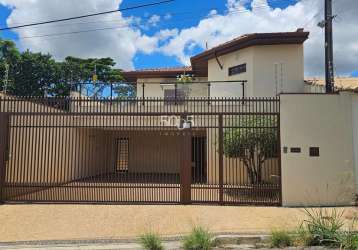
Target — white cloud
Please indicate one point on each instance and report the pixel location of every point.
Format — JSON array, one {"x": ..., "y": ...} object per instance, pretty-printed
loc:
[
  {"x": 127, "y": 39},
  {"x": 121, "y": 43},
  {"x": 240, "y": 20},
  {"x": 167, "y": 16},
  {"x": 154, "y": 20},
  {"x": 166, "y": 34},
  {"x": 213, "y": 13}
]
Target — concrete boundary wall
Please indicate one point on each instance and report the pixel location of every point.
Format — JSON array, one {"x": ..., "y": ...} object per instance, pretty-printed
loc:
[
  {"x": 326, "y": 122},
  {"x": 355, "y": 135}
]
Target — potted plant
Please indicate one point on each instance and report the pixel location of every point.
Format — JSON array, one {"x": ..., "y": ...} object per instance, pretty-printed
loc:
[{"x": 183, "y": 81}]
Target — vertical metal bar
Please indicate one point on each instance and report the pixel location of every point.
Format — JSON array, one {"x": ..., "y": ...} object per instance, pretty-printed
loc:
[
  {"x": 185, "y": 168},
  {"x": 243, "y": 89},
  {"x": 143, "y": 95},
  {"x": 221, "y": 160},
  {"x": 176, "y": 93},
  {"x": 279, "y": 154},
  {"x": 209, "y": 92},
  {"x": 111, "y": 93},
  {"x": 4, "y": 132}
]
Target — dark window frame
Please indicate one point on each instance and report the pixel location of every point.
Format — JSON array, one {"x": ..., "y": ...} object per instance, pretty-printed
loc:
[
  {"x": 314, "y": 152},
  {"x": 238, "y": 69},
  {"x": 123, "y": 141}
]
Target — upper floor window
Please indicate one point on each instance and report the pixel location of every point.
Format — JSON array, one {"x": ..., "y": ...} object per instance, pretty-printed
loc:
[
  {"x": 172, "y": 96},
  {"x": 237, "y": 69}
]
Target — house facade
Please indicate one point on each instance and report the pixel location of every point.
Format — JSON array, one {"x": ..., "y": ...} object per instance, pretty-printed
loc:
[
  {"x": 253, "y": 65},
  {"x": 156, "y": 149}
]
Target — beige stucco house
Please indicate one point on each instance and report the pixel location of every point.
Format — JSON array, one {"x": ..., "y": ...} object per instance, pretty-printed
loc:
[
  {"x": 133, "y": 150},
  {"x": 268, "y": 63}
]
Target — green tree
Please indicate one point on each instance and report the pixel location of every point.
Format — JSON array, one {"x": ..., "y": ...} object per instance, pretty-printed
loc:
[
  {"x": 9, "y": 57},
  {"x": 124, "y": 90},
  {"x": 81, "y": 71},
  {"x": 253, "y": 141},
  {"x": 36, "y": 74}
]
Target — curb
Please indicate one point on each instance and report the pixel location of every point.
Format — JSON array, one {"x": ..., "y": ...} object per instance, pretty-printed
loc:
[{"x": 227, "y": 238}]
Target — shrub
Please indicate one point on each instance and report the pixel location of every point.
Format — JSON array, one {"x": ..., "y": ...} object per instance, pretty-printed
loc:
[
  {"x": 198, "y": 239},
  {"x": 323, "y": 226},
  {"x": 303, "y": 237},
  {"x": 349, "y": 241},
  {"x": 151, "y": 241},
  {"x": 281, "y": 238},
  {"x": 254, "y": 141}
]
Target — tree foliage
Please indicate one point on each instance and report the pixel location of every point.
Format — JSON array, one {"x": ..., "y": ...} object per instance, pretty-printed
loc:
[
  {"x": 81, "y": 72},
  {"x": 253, "y": 141},
  {"x": 8, "y": 55},
  {"x": 38, "y": 74},
  {"x": 35, "y": 73}
]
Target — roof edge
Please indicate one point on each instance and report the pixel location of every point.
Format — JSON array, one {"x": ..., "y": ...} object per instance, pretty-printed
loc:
[{"x": 254, "y": 39}]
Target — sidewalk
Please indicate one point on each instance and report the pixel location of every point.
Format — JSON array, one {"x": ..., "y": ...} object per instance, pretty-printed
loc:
[
  {"x": 81, "y": 222},
  {"x": 168, "y": 245}
]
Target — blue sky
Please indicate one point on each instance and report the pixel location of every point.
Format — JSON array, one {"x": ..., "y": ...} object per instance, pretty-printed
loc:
[
  {"x": 183, "y": 10},
  {"x": 181, "y": 17},
  {"x": 139, "y": 45}
]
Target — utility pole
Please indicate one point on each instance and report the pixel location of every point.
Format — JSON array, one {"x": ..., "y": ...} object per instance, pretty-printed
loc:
[{"x": 329, "y": 46}]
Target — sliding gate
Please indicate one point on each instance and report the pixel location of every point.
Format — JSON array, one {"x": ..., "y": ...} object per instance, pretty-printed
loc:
[{"x": 222, "y": 151}]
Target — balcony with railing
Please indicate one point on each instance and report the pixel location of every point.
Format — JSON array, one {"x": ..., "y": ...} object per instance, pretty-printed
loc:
[{"x": 147, "y": 98}]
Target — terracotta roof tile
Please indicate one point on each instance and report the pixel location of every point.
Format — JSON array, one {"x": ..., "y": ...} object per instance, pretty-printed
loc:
[
  {"x": 167, "y": 69},
  {"x": 343, "y": 83},
  {"x": 172, "y": 72},
  {"x": 199, "y": 62},
  {"x": 253, "y": 39}
]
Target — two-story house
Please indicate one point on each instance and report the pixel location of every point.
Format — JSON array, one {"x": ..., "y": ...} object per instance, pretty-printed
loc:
[
  {"x": 155, "y": 149},
  {"x": 253, "y": 65}
]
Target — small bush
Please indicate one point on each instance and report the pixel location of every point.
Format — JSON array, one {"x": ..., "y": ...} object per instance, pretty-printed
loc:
[
  {"x": 151, "y": 241},
  {"x": 303, "y": 237},
  {"x": 323, "y": 226},
  {"x": 281, "y": 238},
  {"x": 198, "y": 239},
  {"x": 349, "y": 241}
]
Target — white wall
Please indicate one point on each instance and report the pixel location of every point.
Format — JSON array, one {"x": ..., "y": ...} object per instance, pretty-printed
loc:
[
  {"x": 215, "y": 73},
  {"x": 264, "y": 78},
  {"x": 323, "y": 121},
  {"x": 288, "y": 74},
  {"x": 153, "y": 87},
  {"x": 355, "y": 135}
]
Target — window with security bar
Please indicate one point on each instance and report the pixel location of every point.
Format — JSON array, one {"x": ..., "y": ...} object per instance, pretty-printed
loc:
[
  {"x": 239, "y": 69},
  {"x": 122, "y": 154}
]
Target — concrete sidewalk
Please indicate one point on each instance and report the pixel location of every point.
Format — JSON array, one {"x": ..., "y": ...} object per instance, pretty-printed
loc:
[
  {"x": 134, "y": 246},
  {"x": 80, "y": 222}
]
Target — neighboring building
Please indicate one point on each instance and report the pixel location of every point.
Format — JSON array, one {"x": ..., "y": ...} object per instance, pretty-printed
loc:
[
  {"x": 317, "y": 85},
  {"x": 271, "y": 63}
]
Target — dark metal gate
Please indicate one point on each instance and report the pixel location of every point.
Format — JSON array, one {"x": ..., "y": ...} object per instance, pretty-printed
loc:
[{"x": 220, "y": 151}]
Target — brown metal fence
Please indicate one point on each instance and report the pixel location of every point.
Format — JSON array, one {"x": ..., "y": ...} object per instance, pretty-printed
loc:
[{"x": 220, "y": 151}]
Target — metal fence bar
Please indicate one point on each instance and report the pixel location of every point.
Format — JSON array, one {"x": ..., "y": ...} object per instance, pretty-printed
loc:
[
  {"x": 185, "y": 169},
  {"x": 4, "y": 133},
  {"x": 221, "y": 160},
  {"x": 64, "y": 150}
]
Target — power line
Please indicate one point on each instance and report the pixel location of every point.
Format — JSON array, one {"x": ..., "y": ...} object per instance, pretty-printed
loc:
[
  {"x": 127, "y": 26},
  {"x": 172, "y": 13},
  {"x": 88, "y": 15}
]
